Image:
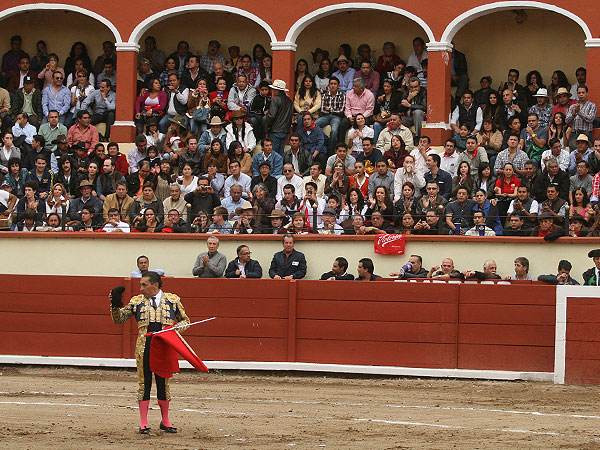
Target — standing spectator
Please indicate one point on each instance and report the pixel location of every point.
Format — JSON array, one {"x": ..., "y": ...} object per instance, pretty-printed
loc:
[
  {"x": 581, "y": 115},
  {"x": 243, "y": 266},
  {"x": 279, "y": 118},
  {"x": 289, "y": 263},
  {"x": 56, "y": 97},
  {"x": 210, "y": 264}
]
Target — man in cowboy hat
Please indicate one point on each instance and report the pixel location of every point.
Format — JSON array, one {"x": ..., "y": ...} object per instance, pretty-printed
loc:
[
  {"x": 215, "y": 131},
  {"x": 344, "y": 74},
  {"x": 278, "y": 220},
  {"x": 543, "y": 108},
  {"x": 591, "y": 277},
  {"x": 581, "y": 115},
  {"x": 86, "y": 199},
  {"x": 582, "y": 152},
  {"x": 279, "y": 118},
  {"x": 563, "y": 101},
  {"x": 247, "y": 222},
  {"x": 61, "y": 149}
]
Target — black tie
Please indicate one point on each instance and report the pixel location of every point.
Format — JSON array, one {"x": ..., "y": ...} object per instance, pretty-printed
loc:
[{"x": 152, "y": 302}]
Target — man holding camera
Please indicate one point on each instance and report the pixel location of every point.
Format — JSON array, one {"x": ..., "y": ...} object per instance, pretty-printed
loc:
[{"x": 203, "y": 198}]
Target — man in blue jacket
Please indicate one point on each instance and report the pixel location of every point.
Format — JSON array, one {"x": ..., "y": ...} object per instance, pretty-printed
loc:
[
  {"x": 313, "y": 139},
  {"x": 288, "y": 264}
]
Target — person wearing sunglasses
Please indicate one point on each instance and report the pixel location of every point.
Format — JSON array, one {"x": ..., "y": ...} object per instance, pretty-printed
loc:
[{"x": 56, "y": 97}]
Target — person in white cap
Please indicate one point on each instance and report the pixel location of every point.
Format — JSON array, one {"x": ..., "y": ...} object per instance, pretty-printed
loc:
[
  {"x": 279, "y": 118},
  {"x": 543, "y": 108}
]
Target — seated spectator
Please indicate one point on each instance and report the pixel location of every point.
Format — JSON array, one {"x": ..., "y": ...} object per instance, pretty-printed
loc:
[
  {"x": 114, "y": 224},
  {"x": 333, "y": 105},
  {"x": 37, "y": 148},
  {"x": 290, "y": 203},
  {"x": 258, "y": 109},
  {"x": 412, "y": 269},
  {"x": 524, "y": 205},
  {"x": 431, "y": 200},
  {"x": 175, "y": 200},
  {"x": 558, "y": 129},
  {"x": 41, "y": 175},
  {"x": 217, "y": 156},
  {"x": 341, "y": 154},
  {"x": 489, "y": 209},
  {"x": 243, "y": 266},
  {"x": 577, "y": 227},
  {"x": 382, "y": 177},
  {"x": 137, "y": 180},
  {"x": 218, "y": 73},
  {"x": 512, "y": 154},
  {"x": 210, "y": 264},
  {"x": 29, "y": 201},
  {"x": 516, "y": 226},
  {"x": 50, "y": 69},
  {"x": 506, "y": 188},
  {"x": 533, "y": 138},
  {"x": 120, "y": 201},
  {"x": 15, "y": 178},
  {"x": 143, "y": 265},
  {"x": 108, "y": 179},
  {"x": 395, "y": 127},
  {"x": 329, "y": 225},
  {"x": 248, "y": 71},
  {"x": 473, "y": 155},
  {"x": 369, "y": 156},
  {"x": 546, "y": 226},
  {"x": 378, "y": 224},
  {"x": 277, "y": 220},
  {"x": 481, "y": 96},
  {"x": 338, "y": 271},
  {"x": 445, "y": 272},
  {"x": 553, "y": 205},
  {"x": 264, "y": 177},
  {"x": 8, "y": 151},
  {"x": 81, "y": 88},
  {"x": 521, "y": 270},
  {"x": 396, "y": 153},
  {"x": 312, "y": 139},
  {"x": 386, "y": 104},
  {"x": 365, "y": 270},
  {"x": 299, "y": 157},
  {"x": 203, "y": 198},
  {"x": 28, "y": 100},
  {"x": 463, "y": 178},
  {"x": 237, "y": 178},
  {"x": 289, "y": 263},
  {"x": 557, "y": 152},
  {"x": 543, "y": 108},
  {"x": 274, "y": 159},
  {"x": 151, "y": 103},
  {"x": 172, "y": 223},
  {"x": 467, "y": 113},
  {"x": 552, "y": 175},
  {"x": 87, "y": 222},
  {"x": 298, "y": 225},
  {"x": 582, "y": 152},
  {"x": 15, "y": 78},
  {"x": 241, "y": 94},
  {"x": 479, "y": 228},
  {"x": 359, "y": 101},
  {"x": 219, "y": 224},
  {"x": 345, "y": 73},
  {"x": 512, "y": 106},
  {"x": 241, "y": 131},
  {"x": 247, "y": 221},
  {"x": 147, "y": 200},
  {"x": 414, "y": 105},
  {"x": 23, "y": 132},
  {"x": 289, "y": 178},
  {"x": 234, "y": 200},
  {"x": 83, "y": 131},
  {"x": 215, "y": 131},
  {"x": 563, "y": 277},
  {"x": 442, "y": 178},
  {"x": 52, "y": 130},
  {"x": 581, "y": 180},
  {"x": 56, "y": 97},
  {"x": 308, "y": 98},
  {"x": 490, "y": 139},
  {"x": 381, "y": 201},
  {"x": 459, "y": 212},
  {"x": 52, "y": 224},
  {"x": 108, "y": 73},
  {"x": 368, "y": 75},
  {"x": 489, "y": 272}
]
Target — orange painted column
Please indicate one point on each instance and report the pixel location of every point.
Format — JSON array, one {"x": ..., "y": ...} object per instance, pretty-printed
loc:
[
  {"x": 284, "y": 63},
  {"x": 438, "y": 92},
  {"x": 592, "y": 54},
  {"x": 124, "y": 129}
]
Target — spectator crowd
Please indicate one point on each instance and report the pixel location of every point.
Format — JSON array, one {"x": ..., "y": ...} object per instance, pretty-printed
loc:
[{"x": 221, "y": 148}]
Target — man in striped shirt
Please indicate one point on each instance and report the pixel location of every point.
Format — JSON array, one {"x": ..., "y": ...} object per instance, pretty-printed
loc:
[{"x": 581, "y": 116}]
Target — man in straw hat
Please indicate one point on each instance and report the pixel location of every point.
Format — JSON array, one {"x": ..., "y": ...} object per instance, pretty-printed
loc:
[
  {"x": 562, "y": 101},
  {"x": 344, "y": 74},
  {"x": 215, "y": 131},
  {"x": 279, "y": 118},
  {"x": 86, "y": 199},
  {"x": 582, "y": 152},
  {"x": 581, "y": 115}
]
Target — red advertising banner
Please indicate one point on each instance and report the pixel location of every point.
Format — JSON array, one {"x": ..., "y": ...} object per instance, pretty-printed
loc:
[{"x": 390, "y": 244}]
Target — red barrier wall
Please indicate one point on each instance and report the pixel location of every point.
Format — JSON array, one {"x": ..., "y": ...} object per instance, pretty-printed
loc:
[
  {"x": 428, "y": 325},
  {"x": 582, "y": 357}
]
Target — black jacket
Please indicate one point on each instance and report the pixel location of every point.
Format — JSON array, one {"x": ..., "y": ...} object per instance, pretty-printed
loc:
[
  {"x": 270, "y": 182},
  {"x": 188, "y": 82},
  {"x": 252, "y": 269},
  {"x": 259, "y": 105},
  {"x": 133, "y": 183},
  {"x": 279, "y": 117},
  {"x": 206, "y": 203},
  {"x": 36, "y": 103},
  {"x": 543, "y": 181},
  {"x": 346, "y": 276},
  {"x": 304, "y": 160},
  {"x": 180, "y": 227},
  {"x": 294, "y": 265}
]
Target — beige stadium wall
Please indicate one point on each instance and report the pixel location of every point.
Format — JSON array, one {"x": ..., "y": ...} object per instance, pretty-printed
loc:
[
  {"x": 360, "y": 27},
  {"x": 38, "y": 25},
  {"x": 198, "y": 28},
  {"x": 103, "y": 255},
  {"x": 545, "y": 42}
]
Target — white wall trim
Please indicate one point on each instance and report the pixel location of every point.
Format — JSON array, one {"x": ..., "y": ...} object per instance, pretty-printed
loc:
[
  {"x": 127, "y": 47},
  {"x": 61, "y": 6},
  {"x": 442, "y": 125},
  {"x": 483, "y": 10},
  {"x": 560, "y": 338},
  {"x": 277, "y": 366},
  {"x": 143, "y": 26},
  {"x": 283, "y": 45},
  {"x": 592, "y": 43},
  {"x": 124, "y": 123},
  {"x": 439, "y": 47},
  {"x": 313, "y": 16}
]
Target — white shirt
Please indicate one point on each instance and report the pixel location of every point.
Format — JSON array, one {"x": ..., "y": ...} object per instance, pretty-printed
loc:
[
  {"x": 478, "y": 117},
  {"x": 420, "y": 163},
  {"x": 320, "y": 182},
  {"x": 296, "y": 181},
  {"x": 402, "y": 177},
  {"x": 367, "y": 132},
  {"x": 183, "y": 99},
  {"x": 321, "y": 205},
  {"x": 533, "y": 209},
  {"x": 28, "y": 131},
  {"x": 243, "y": 180},
  {"x": 157, "y": 299},
  {"x": 449, "y": 163},
  {"x": 413, "y": 60},
  {"x": 123, "y": 226}
]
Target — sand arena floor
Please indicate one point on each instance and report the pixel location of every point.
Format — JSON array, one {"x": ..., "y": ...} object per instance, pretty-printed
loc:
[{"x": 69, "y": 408}]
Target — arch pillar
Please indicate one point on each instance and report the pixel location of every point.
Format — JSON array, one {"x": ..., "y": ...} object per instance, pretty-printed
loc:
[
  {"x": 284, "y": 63},
  {"x": 123, "y": 129},
  {"x": 437, "y": 126}
]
